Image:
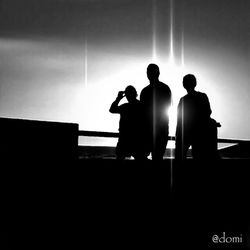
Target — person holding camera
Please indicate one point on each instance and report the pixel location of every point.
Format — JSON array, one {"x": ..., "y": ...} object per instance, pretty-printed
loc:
[{"x": 130, "y": 141}]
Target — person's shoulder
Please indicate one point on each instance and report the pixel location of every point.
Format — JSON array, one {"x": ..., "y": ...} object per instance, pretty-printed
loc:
[
  {"x": 163, "y": 85},
  {"x": 201, "y": 94},
  {"x": 183, "y": 98},
  {"x": 124, "y": 106},
  {"x": 164, "y": 88},
  {"x": 136, "y": 105},
  {"x": 146, "y": 90}
]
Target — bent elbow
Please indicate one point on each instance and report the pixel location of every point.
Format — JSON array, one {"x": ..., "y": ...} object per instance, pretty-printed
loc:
[{"x": 112, "y": 110}]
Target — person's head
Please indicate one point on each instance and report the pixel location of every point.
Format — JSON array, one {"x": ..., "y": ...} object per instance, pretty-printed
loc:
[
  {"x": 130, "y": 93},
  {"x": 189, "y": 82},
  {"x": 153, "y": 72}
]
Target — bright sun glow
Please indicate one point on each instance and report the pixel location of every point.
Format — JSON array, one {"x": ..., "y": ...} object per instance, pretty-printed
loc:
[
  {"x": 172, "y": 75},
  {"x": 95, "y": 100}
]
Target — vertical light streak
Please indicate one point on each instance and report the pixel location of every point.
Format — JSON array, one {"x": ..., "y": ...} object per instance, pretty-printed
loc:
[
  {"x": 171, "y": 42},
  {"x": 153, "y": 30},
  {"x": 182, "y": 51},
  {"x": 86, "y": 64},
  {"x": 154, "y": 14},
  {"x": 171, "y": 64}
]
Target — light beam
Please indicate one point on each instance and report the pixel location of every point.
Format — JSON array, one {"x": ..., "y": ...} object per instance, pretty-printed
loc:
[
  {"x": 154, "y": 31},
  {"x": 86, "y": 64}
]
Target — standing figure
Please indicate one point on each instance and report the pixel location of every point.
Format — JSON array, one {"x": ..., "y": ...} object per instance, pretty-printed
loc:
[
  {"x": 130, "y": 125},
  {"x": 156, "y": 100},
  {"x": 195, "y": 127}
]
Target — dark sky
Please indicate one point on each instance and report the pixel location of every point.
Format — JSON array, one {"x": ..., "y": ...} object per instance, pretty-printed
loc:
[{"x": 65, "y": 60}]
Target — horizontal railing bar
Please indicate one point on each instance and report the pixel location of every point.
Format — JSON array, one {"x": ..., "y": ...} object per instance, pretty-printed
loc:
[
  {"x": 97, "y": 133},
  {"x": 234, "y": 141},
  {"x": 106, "y": 134},
  {"x": 116, "y": 135}
]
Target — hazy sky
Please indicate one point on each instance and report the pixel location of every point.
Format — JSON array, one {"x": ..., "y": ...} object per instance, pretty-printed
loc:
[{"x": 65, "y": 60}]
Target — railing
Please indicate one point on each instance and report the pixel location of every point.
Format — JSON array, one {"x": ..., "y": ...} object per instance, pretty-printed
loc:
[{"x": 171, "y": 138}]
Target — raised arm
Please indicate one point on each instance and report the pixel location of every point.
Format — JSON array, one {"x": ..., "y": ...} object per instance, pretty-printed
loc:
[{"x": 114, "y": 108}]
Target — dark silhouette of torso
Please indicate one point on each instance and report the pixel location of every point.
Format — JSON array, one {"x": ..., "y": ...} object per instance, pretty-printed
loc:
[
  {"x": 194, "y": 112},
  {"x": 156, "y": 100},
  {"x": 129, "y": 123},
  {"x": 195, "y": 127},
  {"x": 130, "y": 142}
]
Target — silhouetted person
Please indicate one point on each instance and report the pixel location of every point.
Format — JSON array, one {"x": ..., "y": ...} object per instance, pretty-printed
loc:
[
  {"x": 156, "y": 100},
  {"x": 195, "y": 127},
  {"x": 129, "y": 142}
]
